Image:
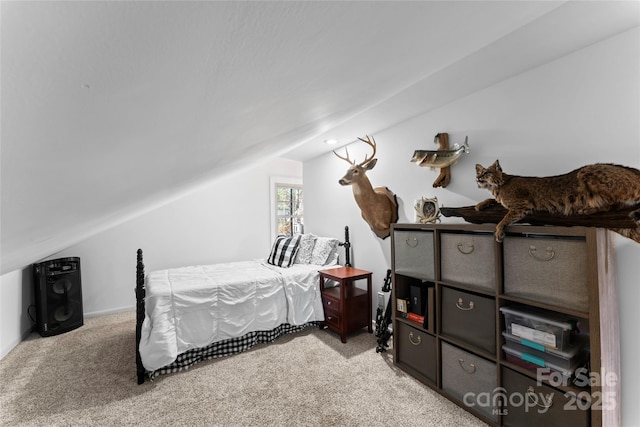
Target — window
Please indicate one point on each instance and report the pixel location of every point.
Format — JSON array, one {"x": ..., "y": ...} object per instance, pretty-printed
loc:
[
  {"x": 286, "y": 203},
  {"x": 289, "y": 209}
]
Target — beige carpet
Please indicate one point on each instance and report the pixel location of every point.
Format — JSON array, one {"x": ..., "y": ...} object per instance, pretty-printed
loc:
[{"x": 87, "y": 377}]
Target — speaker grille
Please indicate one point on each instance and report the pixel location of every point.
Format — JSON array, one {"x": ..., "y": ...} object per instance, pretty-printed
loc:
[{"x": 58, "y": 294}]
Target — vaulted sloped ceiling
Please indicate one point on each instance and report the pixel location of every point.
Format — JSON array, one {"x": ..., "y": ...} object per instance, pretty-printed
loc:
[{"x": 110, "y": 109}]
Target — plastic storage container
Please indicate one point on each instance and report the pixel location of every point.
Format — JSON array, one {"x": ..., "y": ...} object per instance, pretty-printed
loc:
[
  {"x": 569, "y": 360},
  {"x": 528, "y": 362},
  {"x": 549, "y": 329}
]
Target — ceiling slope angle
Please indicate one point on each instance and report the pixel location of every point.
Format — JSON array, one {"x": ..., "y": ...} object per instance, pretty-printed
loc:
[
  {"x": 563, "y": 29},
  {"x": 110, "y": 109}
]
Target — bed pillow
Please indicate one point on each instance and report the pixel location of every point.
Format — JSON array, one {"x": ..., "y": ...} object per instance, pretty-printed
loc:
[
  {"x": 284, "y": 251},
  {"x": 307, "y": 242},
  {"x": 333, "y": 259},
  {"x": 323, "y": 250}
]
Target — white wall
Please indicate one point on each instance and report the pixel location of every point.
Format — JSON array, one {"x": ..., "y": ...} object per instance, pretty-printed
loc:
[
  {"x": 15, "y": 297},
  {"x": 225, "y": 221},
  {"x": 580, "y": 109}
]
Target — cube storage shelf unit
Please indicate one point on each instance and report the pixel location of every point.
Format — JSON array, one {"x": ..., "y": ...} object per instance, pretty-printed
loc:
[{"x": 496, "y": 316}]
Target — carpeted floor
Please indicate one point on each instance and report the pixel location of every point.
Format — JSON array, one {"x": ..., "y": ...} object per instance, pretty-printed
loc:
[{"x": 87, "y": 377}]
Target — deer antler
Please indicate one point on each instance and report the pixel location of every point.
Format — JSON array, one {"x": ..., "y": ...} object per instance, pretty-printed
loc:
[
  {"x": 371, "y": 142},
  {"x": 346, "y": 159}
]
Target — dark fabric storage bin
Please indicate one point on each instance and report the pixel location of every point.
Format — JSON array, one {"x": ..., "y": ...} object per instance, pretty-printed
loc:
[
  {"x": 534, "y": 408},
  {"x": 417, "y": 350},
  {"x": 470, "y": 318}
]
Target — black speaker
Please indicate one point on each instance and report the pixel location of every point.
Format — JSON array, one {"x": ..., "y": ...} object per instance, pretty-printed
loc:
[{"x": 58, "y": 292}]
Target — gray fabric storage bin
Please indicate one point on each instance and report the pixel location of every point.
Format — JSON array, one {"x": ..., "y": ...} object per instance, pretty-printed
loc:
[
  {"x": 414, "y": 253},
  {"x": 548, "y": 270},
  {"x": 417, "y": 350},
  {"x": 470, "y": 318},
  {"x": 468, "y": 259},
  {"x": 469, "y": 379}
]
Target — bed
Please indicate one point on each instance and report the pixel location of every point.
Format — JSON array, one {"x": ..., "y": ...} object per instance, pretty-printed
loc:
[{"x": 189, "y": 314}]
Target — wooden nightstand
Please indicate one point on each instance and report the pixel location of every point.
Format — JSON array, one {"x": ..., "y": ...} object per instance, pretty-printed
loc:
[{"x": 347, "y": 308}]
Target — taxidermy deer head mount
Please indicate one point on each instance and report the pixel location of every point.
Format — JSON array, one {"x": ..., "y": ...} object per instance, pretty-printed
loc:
[{"x": 379, "y": 206}]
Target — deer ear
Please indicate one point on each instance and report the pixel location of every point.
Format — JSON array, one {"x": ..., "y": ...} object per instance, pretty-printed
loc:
[{"x": 370, "y": 164}]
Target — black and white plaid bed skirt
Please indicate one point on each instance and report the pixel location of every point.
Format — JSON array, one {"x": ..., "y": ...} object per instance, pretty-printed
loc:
[{"x": 227, "y": 348}]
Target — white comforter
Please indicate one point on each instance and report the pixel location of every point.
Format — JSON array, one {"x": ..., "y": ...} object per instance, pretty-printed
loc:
[{"x": 192, "y": 307}]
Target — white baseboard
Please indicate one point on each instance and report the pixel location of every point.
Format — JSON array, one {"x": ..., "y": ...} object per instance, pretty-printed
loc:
[{"x": 111, "y": 311}]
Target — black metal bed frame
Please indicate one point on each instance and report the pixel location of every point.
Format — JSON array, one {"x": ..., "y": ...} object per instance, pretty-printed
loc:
[{"x": 141, "y": 293}]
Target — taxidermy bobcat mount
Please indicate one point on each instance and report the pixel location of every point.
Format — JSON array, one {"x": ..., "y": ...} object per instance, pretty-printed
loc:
[
  {"x": 378, "y": 206},
  {"x": 589, "y": 189}
]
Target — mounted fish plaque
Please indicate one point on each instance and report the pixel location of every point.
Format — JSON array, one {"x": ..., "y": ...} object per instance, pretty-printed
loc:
[{"x": 441, "y": 159}]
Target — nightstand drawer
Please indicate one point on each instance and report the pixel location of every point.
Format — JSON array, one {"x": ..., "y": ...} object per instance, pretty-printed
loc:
[
  {"x": 329, "y": 303},
  {"x": 332, "y": 319},
  {"x": 531, "y": 405},
  {"x": 470, "y": 318},
  {"x": 549, "y": 270},
  {"x": 469, "y": 379},
  {"x": 417, "y": 350},
  {"x": 414, "y": 254},
  {"x": 468, "y": 259}
]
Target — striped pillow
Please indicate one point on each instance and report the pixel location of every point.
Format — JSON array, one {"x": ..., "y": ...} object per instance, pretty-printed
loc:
[{"x": 284, "y": 251}]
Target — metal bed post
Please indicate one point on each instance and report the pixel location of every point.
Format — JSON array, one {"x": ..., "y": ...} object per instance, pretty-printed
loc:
[
  {"x": 347, "y": 247},
  {"x": 140, "y": 294}
]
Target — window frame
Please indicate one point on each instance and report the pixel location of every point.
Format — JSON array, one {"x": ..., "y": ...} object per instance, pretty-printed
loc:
[{"x": 275, "y": 182}]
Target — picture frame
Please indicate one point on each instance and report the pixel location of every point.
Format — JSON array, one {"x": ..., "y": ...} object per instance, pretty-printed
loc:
[
  {"x": 402, "y": 305},
  {"x": 427, "y": 210}
]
